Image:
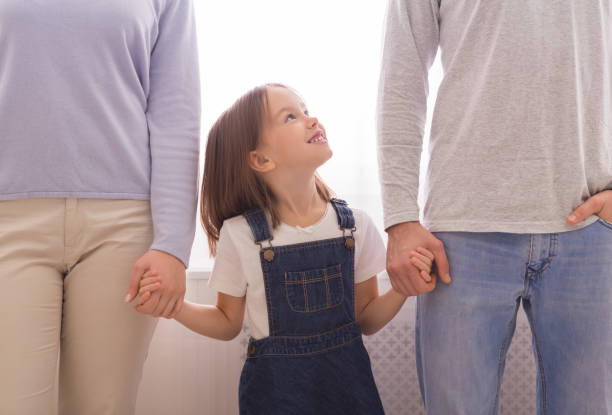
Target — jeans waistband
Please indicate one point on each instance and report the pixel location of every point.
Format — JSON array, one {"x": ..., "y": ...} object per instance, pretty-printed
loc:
[{"x": 303, "y": 345}]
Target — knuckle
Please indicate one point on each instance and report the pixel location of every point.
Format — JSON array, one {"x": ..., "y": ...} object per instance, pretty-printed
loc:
[
  {"x": 394, "y": 269},
  {"x": 437, "y": 244}
]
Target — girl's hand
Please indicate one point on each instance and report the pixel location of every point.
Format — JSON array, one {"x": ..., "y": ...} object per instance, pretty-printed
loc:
[
  {"x": 150, "y": 282},
  {"x": 422, "y": 258}
]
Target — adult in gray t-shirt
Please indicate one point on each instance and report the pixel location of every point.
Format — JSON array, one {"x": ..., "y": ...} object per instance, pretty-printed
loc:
[{"x": 521, "y": 137}]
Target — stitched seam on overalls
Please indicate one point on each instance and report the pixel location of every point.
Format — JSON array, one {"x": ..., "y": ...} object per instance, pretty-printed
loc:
[
  {"x": 309, "y": 353},
  {"x": 308, "y": 309},
  {"x": 311, "y": 280},
  {"x": 269, "y": 300},
  {"x": 305, "y": 290},
  {"x": 352, "y": 311},
  {"x": 327, "y": 294},
  {"x": 310, "y": 336},
  {"x": 306, "y": 245}
]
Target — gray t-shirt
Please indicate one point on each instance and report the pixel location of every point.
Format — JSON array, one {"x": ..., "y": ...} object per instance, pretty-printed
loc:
[{"x": 521, "y": 130}]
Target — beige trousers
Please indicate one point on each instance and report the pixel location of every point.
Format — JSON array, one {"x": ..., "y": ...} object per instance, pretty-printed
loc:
[{"x": 65, "y": 266}]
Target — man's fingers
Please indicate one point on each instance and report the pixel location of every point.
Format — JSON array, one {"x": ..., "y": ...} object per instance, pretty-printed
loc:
[
  {"x": 592, "y": 206},
  {"x": 441, "y": 262},
  {"x": 411, "y": 279},
  {"x": 399, "y": 286},
  {"x": 400, "y": 281}
]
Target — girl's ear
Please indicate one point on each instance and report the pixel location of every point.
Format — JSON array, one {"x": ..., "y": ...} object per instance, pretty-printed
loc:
[{"x": 260, "y": 162}]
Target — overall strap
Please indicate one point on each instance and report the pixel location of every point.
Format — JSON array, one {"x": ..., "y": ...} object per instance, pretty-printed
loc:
[
  {"x": 344, "y": 213},
  {"x": 256, "y": 218}
]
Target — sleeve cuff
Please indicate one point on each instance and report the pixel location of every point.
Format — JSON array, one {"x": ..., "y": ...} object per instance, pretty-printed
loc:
[
  {"x": 225, "y": 288},
  {"x": 181, "y": 256},
  {"x": 401, "y": 217}
]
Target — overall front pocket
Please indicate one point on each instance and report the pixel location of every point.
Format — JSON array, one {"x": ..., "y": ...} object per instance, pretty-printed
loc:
[{"x": 314, "y": 290}]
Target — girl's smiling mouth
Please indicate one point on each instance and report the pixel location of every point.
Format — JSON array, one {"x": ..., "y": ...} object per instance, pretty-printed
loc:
[{"x": 317, "y": 138}]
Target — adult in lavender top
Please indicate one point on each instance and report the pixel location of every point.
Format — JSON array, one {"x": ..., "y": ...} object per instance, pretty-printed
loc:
[
  {"x": 521, "y": 138},
  {"x": 99, "y": 131}
]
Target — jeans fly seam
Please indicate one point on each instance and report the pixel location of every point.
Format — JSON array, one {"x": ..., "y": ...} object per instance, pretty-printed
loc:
[
  {"x": 502, "y": 351},
  {"x": 528, "y": 273}
]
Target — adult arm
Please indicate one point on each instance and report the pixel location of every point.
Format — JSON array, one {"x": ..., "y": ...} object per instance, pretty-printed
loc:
[
  {"x": 410, "y": 46},
  {"x": 173, "y": 118}
]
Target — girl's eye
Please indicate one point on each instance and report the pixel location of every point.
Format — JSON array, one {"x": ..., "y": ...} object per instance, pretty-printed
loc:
[{"x": 290, "y": 117}]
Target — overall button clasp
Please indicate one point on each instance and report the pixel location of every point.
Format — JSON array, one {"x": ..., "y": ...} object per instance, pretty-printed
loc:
[{"x": 268, "y": 255}]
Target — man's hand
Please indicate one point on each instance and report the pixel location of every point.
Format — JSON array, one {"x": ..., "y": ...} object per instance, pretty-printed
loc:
[
  {"x": 405, "y": 277},
  {"x": 168, "y": 299},
  {"x": 599, "y": 204}
]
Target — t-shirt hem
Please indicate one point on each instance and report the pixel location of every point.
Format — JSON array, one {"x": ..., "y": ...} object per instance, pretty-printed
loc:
[
  {"x": 79, "y": 195},
  {"x": 506, "y": 227}
]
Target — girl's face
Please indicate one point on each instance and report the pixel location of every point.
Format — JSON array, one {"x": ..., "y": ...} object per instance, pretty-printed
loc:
[{"x": 291, "y": 137}]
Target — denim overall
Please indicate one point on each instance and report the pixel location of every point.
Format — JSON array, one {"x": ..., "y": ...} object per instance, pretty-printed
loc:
[{"x": 314, "y": 361}]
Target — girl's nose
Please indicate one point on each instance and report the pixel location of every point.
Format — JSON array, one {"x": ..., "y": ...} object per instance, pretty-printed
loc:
[{"x": 313, "y": 121}]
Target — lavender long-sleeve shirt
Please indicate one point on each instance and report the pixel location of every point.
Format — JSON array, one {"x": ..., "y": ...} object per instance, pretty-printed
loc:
[
  {"x": 100, "y": 99},
  {"x": 522, "y": 128}
]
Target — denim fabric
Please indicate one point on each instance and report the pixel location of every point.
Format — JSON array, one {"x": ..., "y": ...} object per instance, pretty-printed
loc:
[
  {"x": 314, "y": 361},
  {"x": 344, "y": 214},
  {"x": 563, "y": 280}
]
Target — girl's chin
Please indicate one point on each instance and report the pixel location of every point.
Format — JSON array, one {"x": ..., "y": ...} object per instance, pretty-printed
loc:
[{"x": 327, "y": 156}]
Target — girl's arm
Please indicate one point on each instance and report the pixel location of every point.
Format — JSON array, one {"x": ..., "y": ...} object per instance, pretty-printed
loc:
[
  {"x": 374, "y": 311},
  {"x": 222, "y": 321}
]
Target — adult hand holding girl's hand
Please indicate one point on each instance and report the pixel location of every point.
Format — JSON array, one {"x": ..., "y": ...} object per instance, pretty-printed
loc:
[
  {"x": 404, "y": 240},
  {"x": 167, "y": 299},
  {"x": 599, "y": 204}
]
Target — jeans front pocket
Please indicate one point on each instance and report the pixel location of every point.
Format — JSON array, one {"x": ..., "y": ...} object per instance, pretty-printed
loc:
[
  {"x": 605, "y": 223},
  {"x": 314, "y": 290}
]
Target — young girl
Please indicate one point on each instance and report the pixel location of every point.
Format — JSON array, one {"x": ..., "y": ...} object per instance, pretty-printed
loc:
[{"x": 302, "y": 262}]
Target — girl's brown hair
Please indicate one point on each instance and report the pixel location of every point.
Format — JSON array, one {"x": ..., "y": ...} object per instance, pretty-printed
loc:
[{"x": 229, "y": 186}]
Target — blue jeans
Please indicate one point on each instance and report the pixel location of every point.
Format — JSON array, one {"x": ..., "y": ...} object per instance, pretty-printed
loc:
[{"x": 463, "y": 330}]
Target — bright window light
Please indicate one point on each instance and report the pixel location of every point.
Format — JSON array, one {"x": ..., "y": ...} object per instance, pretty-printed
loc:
[{"x": 329, "y": 51}]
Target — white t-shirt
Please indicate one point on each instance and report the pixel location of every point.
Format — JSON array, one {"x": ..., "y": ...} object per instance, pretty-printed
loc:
[{"x": 237, "y": 268}]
